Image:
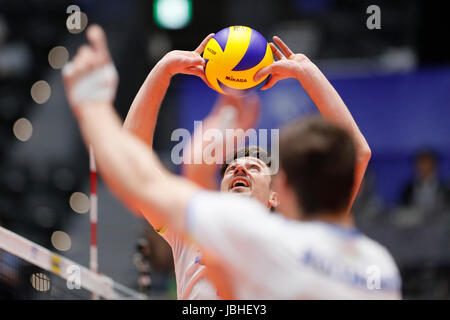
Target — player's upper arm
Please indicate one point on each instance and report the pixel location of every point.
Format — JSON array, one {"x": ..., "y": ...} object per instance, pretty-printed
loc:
[
  {"x": 149, "y": 214},
  {"x": 164, "y": 203}
]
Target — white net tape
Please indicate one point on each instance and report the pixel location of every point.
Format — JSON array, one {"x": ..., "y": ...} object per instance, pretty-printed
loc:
[{"x": 99, "y": 284}]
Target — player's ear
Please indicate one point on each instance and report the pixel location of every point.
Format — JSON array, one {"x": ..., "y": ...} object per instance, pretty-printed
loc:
[
  {"x": 273, "y": 200},
  {"x": 280, "y": 187}
]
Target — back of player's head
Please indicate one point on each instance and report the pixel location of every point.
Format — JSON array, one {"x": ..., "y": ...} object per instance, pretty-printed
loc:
[
  {"x": 248, "y": 151},
  {"x": 318, "y": 159}
]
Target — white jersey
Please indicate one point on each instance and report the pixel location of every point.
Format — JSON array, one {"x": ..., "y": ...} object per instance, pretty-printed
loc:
[
  {"x": 189, "y": 273},
  {"x": 271, "y": 257}
]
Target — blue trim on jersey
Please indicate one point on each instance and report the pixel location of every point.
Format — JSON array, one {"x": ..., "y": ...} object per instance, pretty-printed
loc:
[
  {"x": 344, "y": 231},
  {"x": 338, "y": 270}
]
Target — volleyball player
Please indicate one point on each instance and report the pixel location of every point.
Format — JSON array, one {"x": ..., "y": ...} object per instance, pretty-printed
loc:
[
  {"x": 307, "y": 254},
  {"x": 228, "y": 112},
  {"x": 141, "y": 120}
]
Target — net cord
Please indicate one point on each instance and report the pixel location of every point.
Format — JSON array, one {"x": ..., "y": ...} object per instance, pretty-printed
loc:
[{"x": 96, "y": 283}]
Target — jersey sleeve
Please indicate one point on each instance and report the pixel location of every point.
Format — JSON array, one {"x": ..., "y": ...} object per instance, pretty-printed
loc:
[{"x": 241, "y": 232}]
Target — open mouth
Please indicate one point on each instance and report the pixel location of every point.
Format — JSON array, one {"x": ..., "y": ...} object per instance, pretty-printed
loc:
[{"x": 240, "y": 182}]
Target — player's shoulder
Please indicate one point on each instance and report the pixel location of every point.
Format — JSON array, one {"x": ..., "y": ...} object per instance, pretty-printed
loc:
[
  {"x": 355, "y": 246},
  {"x": 380, "y": 261},
  {"x": 378, "y": 252},
  {"x": 329, "y": 233},
  {"x": 229, "y": 213},
  {"x": 232, "y": 203}
]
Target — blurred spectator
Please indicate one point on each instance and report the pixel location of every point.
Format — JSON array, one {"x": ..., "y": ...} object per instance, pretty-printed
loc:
[
  {"x": 141, "y": 260},
  {"x": 426, "y": 191}
]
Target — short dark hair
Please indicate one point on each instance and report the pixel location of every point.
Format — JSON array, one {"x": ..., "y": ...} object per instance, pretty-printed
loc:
[
  {"x": 248, "y": 151},
  {"x": 318, "y": 159}
]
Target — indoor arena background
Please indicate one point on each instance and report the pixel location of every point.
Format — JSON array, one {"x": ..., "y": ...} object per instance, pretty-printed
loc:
[{"x": 395, "y": 81}]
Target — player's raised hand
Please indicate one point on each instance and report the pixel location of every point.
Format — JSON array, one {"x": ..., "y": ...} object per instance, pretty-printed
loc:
[
  {"x": 91, "y": 76},
  {"x": 287, "y": 66},
  {"x": 186, "y": 62},
  {"x": 234, "y": 112},
  {"x": 229, "y": 112}
]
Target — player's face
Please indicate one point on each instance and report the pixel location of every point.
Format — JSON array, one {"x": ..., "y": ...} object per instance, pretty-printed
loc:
[{"x": 249, "y": 176}]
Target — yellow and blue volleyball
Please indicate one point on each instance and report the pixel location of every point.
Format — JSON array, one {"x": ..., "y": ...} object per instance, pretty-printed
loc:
[{"x": 233, "y": 56}]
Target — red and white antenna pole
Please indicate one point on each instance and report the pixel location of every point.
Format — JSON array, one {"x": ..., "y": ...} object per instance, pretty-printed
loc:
[{"x": 93, "y": 257}]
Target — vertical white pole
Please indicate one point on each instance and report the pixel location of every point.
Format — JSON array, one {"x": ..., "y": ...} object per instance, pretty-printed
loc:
[{"x": 93, "y": 257}]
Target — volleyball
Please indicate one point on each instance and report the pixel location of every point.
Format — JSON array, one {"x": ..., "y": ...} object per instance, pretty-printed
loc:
[{"x": 233, "y": 56}]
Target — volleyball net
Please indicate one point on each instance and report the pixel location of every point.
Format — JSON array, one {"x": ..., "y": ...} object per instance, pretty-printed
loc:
[{"x": 32, "y": 272}]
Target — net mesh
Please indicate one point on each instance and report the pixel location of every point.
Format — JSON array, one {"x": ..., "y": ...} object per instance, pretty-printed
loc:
[
  {"x": 29, "y": 271},
  {"x": 20, "y": 280}
]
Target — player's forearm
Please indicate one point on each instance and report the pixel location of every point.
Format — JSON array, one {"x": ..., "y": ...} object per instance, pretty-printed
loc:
[
  {"x": 202, "y": 173},
  {"x": 334, "y": 109},
  {"x": 330, "y": 104},
  {"x": 128, "y": 167},
  {"x": 142, "y": 116}
]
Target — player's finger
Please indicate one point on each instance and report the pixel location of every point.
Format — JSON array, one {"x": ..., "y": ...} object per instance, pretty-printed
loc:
[
  {"x": 77, "y": 64},
  {"x": 68, "y": 73},
  {"x": 85, "y": 53},
  {"x": 199, "y": 72},
  {"x": 85, "y": 60},
  {"x": 68, "y": 70},
  {"x": 287, "y": 52},
  {"x": 237, "y": 102},
  {"x": 252, "y": 101},
  {"x": 83, "y": 48},
  {"x": 97, "y": 38},
  {"x": 270, "y": 83},
  {"x": 208, "y": 84},
  {"x": 276, "y": 52},
  {"x": 220, "y": 101},
  {"x": 253, "y": 111},
  {"x": 263, "y": 73},
  {"x": 234, "y": 100},
  {"x": 187, "y": 60},
  {"x": 227, "y": 117},
  {"x": 202, "y": 45},
  {"x": 196, "y": 71},
  {"x": 197, "y": 61}
]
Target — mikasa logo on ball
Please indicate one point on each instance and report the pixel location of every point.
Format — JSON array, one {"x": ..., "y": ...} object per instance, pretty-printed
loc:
[
  {"x": 211, "y": 50},
  {"x": 234, "y": 79}
]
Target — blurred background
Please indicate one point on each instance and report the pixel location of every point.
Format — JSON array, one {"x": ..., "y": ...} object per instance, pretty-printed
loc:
[{"x": 395, "y": 81}]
